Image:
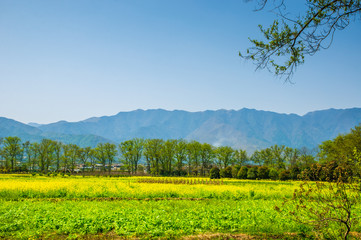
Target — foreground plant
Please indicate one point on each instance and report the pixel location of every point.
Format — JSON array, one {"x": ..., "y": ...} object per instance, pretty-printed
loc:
[{"x": 328, "y": 207}]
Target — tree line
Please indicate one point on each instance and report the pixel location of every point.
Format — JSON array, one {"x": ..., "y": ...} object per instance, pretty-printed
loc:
[{"x": 178, "y": 157}]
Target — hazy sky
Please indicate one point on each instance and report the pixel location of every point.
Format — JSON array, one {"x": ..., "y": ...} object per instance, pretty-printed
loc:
[{"x": 71, "y": 60}]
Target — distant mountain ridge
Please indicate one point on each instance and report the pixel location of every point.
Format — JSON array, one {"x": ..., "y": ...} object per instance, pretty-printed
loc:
[
  {"x": 246, "y": 128},
  {"x": 9, "y": 127}
]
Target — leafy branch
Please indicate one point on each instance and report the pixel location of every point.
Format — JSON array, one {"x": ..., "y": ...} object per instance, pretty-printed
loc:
[{"x": 287, "y": 41}]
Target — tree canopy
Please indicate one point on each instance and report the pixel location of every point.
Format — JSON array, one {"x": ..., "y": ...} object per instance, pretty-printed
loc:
[
  {"x": 178, "y": 157},
  {"x": 288, "y": 40}
]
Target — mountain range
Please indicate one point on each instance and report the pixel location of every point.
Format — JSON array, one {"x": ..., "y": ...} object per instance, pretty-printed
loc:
[{"x": 246, "y": 128}]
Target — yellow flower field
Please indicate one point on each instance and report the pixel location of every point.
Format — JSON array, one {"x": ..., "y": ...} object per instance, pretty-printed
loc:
[{"x": 135, "y": 187}]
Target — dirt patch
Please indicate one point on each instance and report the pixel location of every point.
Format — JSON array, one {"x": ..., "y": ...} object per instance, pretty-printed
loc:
[
  {"x": 206, "y": 236},
  {"x": 355, "y": 235},
  {"x": 109, "y": 199},
  {"x": 214, "y": 236},
  {"x": 100, "y": 236}
]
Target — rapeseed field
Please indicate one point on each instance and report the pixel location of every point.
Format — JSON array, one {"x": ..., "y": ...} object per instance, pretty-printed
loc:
[{"x": 76, "y": 207}]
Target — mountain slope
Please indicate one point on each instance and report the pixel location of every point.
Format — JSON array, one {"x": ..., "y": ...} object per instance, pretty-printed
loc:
[
  {"x": 9, "y": 127},
  {"x": 246, "y": 128}
]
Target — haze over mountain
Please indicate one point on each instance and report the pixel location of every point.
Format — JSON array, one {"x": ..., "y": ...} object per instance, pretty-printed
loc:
[
  {"x": 246, "y": 128},
  {"x": 9, "y": 127}
]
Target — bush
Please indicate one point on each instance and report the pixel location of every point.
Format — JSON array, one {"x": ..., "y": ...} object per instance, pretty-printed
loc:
[
  {"x": 284, "y": 175},
  {"x": 273, "y": 174},
  {"x": 328, "y": 170},
  {"x": 313, "y": 172},
  {"x": 294, "y": 172},
  {"x": 343, "y": 173},
  {"x": 252, "y": 173},
  {"x": 180, "y": 173},
  {"x": 242, "y": 173},
  {"x": 215, "y": 173},
  {"x": 263, "y": 172},
  {"x": 226, "y": 172},
  {"x": 235, "y": 170}
]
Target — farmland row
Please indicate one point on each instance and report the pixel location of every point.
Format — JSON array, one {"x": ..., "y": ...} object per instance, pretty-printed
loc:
[{"x": 138, "y": 188}]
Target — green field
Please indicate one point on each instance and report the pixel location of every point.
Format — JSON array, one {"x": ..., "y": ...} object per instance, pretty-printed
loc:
[{"x": 101, "y": 207}]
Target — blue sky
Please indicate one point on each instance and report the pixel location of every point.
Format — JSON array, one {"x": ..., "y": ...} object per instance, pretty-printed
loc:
[{"x": 71, "y": 60}]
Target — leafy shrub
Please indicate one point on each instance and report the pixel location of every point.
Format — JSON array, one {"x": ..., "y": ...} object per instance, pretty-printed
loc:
[
  {"x": 313, "y": 172},
  {"x": 343, "y": 173},
  {"x": 284, "y": 175},
  {"x": 252, "y": 173},
  {"x": 251, "y": 193},
  {"x": 215, "y": 173},
  {"x": 242, "y": 173},
  {"x": 235, "y": 170},
  {"x": 179, "y": 173},
  {"x": 273, "y": 174},
  {"x": 263, "y": 172},
  {"x": 328, "y": 170},
  {"x": 226, "y": 172},
  {"x": 294, "y": 173}
]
